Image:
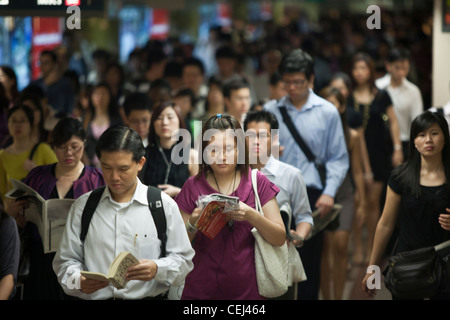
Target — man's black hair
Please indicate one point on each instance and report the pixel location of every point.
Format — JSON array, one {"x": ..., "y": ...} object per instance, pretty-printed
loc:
[
  {"x": 120, "y": 138},
  {"x": 234, "y": 85},
  {"x": 297, "y": 61},
  {"x": 261, "y": 116},
  {"x": 50, "y": 53},
  {"x": 226, "y": 52},
  {"x": 136, "y": 101},
  {"x": 195, "y": 62},
  {"x": 186, "y": 92},
  {"x": 398, "y": 54}
]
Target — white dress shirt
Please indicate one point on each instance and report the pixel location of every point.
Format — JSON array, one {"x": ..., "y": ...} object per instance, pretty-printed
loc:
[
  {"x": 406, "y": 100},
  {"x": 292, "y": 188},
  {"x": 117, "y": 227}
]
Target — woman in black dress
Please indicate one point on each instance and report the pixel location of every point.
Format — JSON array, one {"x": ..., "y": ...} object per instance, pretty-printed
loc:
[
  {"x": 418, "y": 194},
  {"x": 170, "y": 160},
  {"x": 372, "y": 110}
]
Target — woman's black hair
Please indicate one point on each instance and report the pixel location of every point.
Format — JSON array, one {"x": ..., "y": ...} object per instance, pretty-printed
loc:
[
  {"x": 113, "y": 108},
  {"x": 409, "y": 172},
  {"x": 224, "y": 122},
  {"x": 152, "y": 136},
  {"x": 120, "y": 138},
  {"x": 28, "y": 112},
  {"x": 35, "y": 99},
  {"x": 66, "y": 128}
]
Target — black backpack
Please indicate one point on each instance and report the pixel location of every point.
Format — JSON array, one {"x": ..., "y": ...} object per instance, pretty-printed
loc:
[{"x": 155, "y": 206}]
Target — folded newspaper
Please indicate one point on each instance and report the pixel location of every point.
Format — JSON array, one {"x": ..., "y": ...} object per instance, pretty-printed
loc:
[
  {"x": 213, "y": 217},
  {"x": 321, "y": 223},
  {"x": 48, "y": 215}
]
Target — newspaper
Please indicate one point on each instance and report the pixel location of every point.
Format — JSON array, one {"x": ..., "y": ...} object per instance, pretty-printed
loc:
[{"x": 49, "y": 216}]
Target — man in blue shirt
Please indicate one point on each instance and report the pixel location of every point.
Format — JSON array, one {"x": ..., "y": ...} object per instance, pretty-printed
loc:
[
  {"x": 318, "y": 123},
  {"x": 57, "y": 87}
]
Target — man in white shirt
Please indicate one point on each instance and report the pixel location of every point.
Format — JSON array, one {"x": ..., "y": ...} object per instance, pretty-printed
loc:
[
  {"x": 123, "y": 222},
  {"x": 261, "y": 130},
  {"x": 406, "y": 96}
]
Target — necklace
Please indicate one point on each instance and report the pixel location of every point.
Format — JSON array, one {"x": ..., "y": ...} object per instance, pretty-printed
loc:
[
  {"x": 234, "y": 181},
  {"x": 168, "y": 164}
]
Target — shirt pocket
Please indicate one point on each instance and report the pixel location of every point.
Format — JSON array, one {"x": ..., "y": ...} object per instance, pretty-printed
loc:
[{"x": 149, "y": 247}]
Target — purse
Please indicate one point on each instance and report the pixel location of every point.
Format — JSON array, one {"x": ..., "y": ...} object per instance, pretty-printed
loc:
[
  {"x": 419, "y": 273},
  {"x": 271, "y": 262}
]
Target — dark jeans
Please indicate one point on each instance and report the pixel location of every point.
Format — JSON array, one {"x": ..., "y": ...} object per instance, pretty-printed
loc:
[{"x": 311, "y": 253}]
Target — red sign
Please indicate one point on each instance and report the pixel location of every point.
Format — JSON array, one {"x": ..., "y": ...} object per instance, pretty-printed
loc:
[
  {"x": 160, "y": 25},
  {"x": 47, "y": 34},
  {"x": 73, "y": 3}
]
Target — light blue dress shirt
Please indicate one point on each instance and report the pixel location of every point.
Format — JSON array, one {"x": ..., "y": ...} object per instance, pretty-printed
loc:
[{"x": 319, "y": 124}]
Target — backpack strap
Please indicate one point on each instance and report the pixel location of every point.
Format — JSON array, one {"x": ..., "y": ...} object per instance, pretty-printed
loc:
[
  {"x": 89, "y": 210},
  {"x": 159, "y": 217}
]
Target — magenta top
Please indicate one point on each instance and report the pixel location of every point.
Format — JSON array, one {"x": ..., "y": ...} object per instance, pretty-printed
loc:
[{"x": 224, "y": 267}]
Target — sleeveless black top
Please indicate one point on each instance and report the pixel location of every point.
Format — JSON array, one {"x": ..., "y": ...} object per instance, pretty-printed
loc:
[{"x": 157, "y": 171}]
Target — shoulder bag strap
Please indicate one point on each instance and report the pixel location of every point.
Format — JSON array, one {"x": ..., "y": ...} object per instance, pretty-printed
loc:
[
  {"x": 255, "y": 191},
  {"x": 287, "y": 120},
  {"x": 33, "y": 151}
]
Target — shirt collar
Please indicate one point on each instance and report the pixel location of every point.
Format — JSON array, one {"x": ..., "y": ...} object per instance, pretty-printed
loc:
[
  {"x": 271, "y": 166},
  {"x": 140, "y": 194},
  {"x": 310, "y": 103}
]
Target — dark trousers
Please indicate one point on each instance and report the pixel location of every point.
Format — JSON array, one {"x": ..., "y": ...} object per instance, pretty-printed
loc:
[{"x": 311, "y": 253}]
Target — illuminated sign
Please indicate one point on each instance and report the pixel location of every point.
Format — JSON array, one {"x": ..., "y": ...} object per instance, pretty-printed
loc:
[{"x": 50, "y": 7}]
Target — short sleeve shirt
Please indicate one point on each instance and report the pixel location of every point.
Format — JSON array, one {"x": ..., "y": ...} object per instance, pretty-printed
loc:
[
  {"x": 224, "y": 267},
  {"x": 418, "y": 220}
]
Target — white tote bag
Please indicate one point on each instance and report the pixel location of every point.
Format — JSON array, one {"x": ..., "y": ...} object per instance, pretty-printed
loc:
[{"x": 271, "y": 262}]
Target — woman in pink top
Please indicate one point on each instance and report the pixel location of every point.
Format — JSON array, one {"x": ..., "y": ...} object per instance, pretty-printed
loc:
[{"x": 224, "y": 267}]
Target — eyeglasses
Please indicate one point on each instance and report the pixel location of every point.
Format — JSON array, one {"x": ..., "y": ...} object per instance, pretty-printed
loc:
[
  {"x": 73, "y": 149},
  {"x": 295, "y": 83}
]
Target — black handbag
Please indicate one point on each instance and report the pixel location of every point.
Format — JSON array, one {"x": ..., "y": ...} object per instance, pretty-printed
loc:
[{"x": 417, "y": 274}]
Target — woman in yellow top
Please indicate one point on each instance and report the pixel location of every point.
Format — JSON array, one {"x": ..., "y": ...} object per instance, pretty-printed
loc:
[{"x": 18, "y": 159}]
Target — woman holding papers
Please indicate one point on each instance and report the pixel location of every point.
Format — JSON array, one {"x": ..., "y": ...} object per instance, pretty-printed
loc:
[
  {"x": 68, "y": 178},
  {"x": 224, "y": 267},
  {"x": 418, "y": 197}
]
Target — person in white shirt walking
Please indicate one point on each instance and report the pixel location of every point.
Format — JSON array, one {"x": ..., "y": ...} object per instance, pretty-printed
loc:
[
  {"x": 261, "y": 130},
  {"x": 122, "y": 221},
  {"x": 405, "y": 95}
]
